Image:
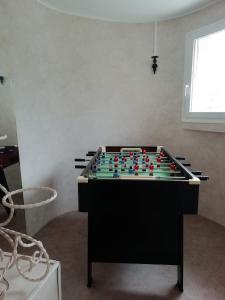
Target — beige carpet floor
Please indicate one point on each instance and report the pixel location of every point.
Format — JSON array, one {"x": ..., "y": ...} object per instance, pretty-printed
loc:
[{"x": 204, "y": 265}]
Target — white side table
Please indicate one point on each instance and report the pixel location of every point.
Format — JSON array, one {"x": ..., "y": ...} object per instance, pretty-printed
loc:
[{"x": 47, "y": 289}]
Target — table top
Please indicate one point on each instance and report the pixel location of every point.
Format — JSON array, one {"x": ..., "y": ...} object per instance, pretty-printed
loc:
[
  {"x": 9, "y": 155},
  {"x": 136, "y": 163},
  {"x": 113, "y": 165}
]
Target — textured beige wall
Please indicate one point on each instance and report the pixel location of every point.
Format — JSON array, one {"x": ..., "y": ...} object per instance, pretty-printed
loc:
[
  {"x": 205, "y": 149},
  {"x": 7, "y": 112},
  {"x": 81, "y": 83}
]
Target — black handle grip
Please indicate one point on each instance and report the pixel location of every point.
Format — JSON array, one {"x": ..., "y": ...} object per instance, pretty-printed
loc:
[
  {"x": 90, "y": 154},
  {"x": 186, "y": 164},
  {"x": 196, "y": 172},
  {"x": 203, "y": 177},
  {"x": 80, "y": 167},
  {"x": 180, "y": 158},
  {"x": 79, "y": 159}
]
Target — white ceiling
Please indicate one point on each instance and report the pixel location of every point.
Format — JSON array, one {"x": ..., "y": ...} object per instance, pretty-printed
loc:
[{"x": 128, "y": 10}]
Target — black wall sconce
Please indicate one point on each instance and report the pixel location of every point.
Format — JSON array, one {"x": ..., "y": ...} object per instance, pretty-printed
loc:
[
  {"x": 2, "y": 79},
  {"x": 154, "y": 63}
]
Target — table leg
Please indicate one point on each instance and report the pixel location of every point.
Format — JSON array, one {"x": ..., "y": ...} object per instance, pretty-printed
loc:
[
  {"x": 180, "y": 267},
  {"x": 89, "y": 274},
  {"x": 180, "y": 278}
]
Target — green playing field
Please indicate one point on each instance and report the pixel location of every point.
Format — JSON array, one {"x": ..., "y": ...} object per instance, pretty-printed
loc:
[{"x": 122, "y": 165}]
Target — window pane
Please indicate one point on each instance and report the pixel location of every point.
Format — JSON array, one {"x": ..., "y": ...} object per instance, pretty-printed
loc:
[{"x": 208, "y": 79}]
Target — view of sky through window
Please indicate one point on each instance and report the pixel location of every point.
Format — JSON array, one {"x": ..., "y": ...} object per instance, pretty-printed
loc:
[{"x": 208, "y": 76}]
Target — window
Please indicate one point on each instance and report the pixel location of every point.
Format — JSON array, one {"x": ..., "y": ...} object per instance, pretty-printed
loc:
[{"x": 204, "y": 80}]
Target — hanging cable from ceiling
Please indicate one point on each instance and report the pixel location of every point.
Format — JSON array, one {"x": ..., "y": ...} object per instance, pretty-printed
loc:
[{"x": 155, "y": 48}]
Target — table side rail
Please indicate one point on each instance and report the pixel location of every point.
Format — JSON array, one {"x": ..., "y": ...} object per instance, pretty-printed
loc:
[{"x": 183, "y": 168}]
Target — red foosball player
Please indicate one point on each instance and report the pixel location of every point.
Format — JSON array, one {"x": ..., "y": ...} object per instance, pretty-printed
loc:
[
  {"x": 173, "y": 167},
  {"x": 162, "y": 154},
  {"x": 158, "y": 161},
  {"x": 116, "y": 159},
  {"x": 151, "y": 168},
  {"x": 136, "y": 168}
]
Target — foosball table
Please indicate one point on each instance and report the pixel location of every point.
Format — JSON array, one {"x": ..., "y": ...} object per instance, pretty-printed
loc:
[{"x": 136, "y": 198}]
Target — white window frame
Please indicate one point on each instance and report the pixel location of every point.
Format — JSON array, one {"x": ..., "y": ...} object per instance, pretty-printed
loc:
[{"x": 198, "y": 117}]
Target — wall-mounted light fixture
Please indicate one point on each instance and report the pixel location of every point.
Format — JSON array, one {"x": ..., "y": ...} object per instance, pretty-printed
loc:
[
  {"x": 155, "y": 50},
  {"x": 2, "y": 79}
]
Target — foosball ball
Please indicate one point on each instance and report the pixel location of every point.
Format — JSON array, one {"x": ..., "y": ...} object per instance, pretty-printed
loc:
[{"x": 136, "y": 198}]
